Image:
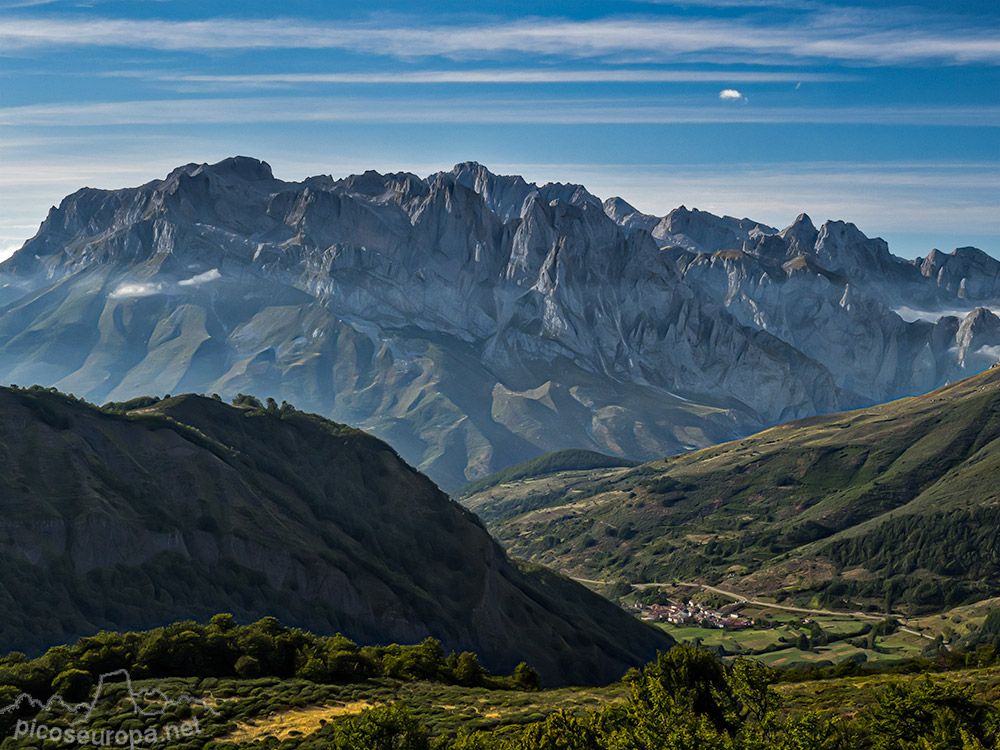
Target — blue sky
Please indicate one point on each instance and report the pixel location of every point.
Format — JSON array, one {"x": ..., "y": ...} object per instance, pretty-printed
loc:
[{"x": 882, "y": 113}]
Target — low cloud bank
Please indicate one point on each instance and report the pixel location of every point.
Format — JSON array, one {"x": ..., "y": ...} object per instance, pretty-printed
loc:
[{"x": 147, "y": 289}]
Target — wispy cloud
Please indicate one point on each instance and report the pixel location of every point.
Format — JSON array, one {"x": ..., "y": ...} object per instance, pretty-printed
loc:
[
  {"x": 130, "y": 289},
  {"x": 887, "y": 38},
  {"x": 201, "y": 278},
  {"x": 499, "y": 76},
  {"x": 7, "y": 249},
  {"x": 784, "y": 4},
  {"x": 910, "y": 314},
  {"x": 230, "y": 110},
  {"x": 11, "y": 4}
]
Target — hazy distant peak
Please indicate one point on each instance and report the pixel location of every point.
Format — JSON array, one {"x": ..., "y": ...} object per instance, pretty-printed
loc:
[
  {"x": 471, "y": 173},
  {"x": 704, "y": 232},
  {"x": 503, "y": 195},
  {"x": 475, "y": 168},
  {"x": 970, "y": 253},
  {"x": 468, "y": 166},
  {"x": 570, "y": 192},
  {"x": 245, "y": 167},
  {"x": 841, "y": 246},
  {"x": 841, "y": 229},
  {"x": 369, "y": 183},
  {"x": 801, "y": 235},
  {"x": 241, "y": 167},
  {"x": 628, "y": 216},
  {"x": 618, "y": 208},
  {"x": 801, "y": 224}
]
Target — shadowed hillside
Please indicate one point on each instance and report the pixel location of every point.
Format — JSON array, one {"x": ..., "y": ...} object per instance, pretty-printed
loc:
[{"x": 149, "y": 511}]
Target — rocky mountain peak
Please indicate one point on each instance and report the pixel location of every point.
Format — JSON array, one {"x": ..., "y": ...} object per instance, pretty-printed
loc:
[
  {"x": 507, "y": 196},
  {"x": 678, "y": 219},
  {"x": 801, "y": 235},
  {"x": 569, "y": 192},
  {"x": 967, "y": 272},
  {"x": 978, "y": 338},
  {"x": 503, "y": 195},
  {"x": 243, "y": 168},
  {"x": 841, "y": 234},
  {"x": 369, "y": 183},
  {"x": 628, "y": 216},
  {"x": 971, "y": 254},
  {"x": 841, "y": 246},
  {"x": 473, "y": 167},
  {"x": 980, "y": 318},
  {"x": 930, "y": 264},
  {"x": 705, "y": 232},
  {"x": 618, "y": 208},
  {"x": 802, "y": 221},
  {"x": 793, "y": 245}
]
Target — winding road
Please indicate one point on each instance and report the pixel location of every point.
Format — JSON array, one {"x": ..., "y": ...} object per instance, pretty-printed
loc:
[{"x": 758, "y": 603}]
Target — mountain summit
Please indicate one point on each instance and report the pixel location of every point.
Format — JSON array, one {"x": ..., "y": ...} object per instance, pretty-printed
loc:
[{"x": 475, "y": 320}]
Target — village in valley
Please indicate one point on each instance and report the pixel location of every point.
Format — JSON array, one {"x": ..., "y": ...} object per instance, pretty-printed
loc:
[
  {"x": 785, "y": 636},
  {"x": 693, "y": 613}
]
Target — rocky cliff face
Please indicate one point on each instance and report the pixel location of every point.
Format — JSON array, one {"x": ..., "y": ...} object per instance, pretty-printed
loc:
[{"x": 475, "y": 320}]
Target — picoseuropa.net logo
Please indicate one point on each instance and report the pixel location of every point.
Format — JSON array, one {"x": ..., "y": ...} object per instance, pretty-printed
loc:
[
  {"x": 106, "y": 737},
  {"x": 59, "y": 721}
]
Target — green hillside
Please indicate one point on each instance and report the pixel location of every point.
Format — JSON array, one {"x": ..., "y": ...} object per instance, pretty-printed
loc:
[
  {"x": 893, "y": 506},
  {"x": 571, "y": 459},
  {"x": 150, "y": 511}
]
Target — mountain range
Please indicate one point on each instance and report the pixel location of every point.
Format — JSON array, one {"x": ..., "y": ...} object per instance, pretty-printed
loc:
[
  {"x": 475, "y": 320},
  {"x": 147, "y": 512}
]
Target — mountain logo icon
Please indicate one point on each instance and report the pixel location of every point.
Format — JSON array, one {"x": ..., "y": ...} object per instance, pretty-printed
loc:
[{"x": 149, "y": 702}]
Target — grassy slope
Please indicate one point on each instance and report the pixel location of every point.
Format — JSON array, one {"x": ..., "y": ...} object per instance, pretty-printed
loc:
[
  {"x": 550, "y": 463},
  {"x": 775, "y": 502}
]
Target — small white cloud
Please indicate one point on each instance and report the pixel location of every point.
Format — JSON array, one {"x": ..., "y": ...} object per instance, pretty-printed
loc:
[
  {"x": 148, "y": 288},
  {"x": 6, "y": 251},
  {"x": 911, "y": 314},
  {"x": 732, "y": 95},
  {"x": 125, "y": 291},
  {"x": 201, "y": 278},
  {"x": 991, "y": 352}
]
